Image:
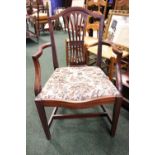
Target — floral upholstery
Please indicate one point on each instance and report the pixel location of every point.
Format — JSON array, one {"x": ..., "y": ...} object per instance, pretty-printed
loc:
[{"x": 77, "y": 84}]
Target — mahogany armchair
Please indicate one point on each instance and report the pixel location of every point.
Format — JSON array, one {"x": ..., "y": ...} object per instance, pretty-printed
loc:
[{"x": 77, "y": 86}]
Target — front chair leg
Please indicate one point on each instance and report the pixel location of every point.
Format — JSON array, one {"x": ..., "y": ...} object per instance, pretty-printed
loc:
[
  {"x": 43, "y": 118},
  {"x": 116, "y": 112}
]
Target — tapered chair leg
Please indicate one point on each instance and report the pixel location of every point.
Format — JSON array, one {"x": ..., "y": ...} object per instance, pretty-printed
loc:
[
  {"x": 111, "y": 68},
  {"x": 116, "y": 112},
  {"x": 43, "y": 118},
  {"x": 67, "y": 58}
]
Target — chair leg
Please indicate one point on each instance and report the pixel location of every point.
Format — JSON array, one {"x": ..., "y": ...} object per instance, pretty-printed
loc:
[
  {"x": 67, "y": 52},
  {"x": 111, "y": 67},
  {"x": 37, "y": 28},
  {"x": 116, "y": 112},
  {"x": 86, "y": 54},
  {"x": 43, "y": 118},
  {"x": 42, "y": 27}
]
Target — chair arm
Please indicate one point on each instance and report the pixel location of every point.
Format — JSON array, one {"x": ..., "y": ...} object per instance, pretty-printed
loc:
[
  {"x": 118, "y": 68},
  {"x": 35, "y": 57}
]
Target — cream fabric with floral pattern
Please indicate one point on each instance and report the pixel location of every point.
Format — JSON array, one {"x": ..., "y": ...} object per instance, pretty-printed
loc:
[{"x": 77, "y": 84}]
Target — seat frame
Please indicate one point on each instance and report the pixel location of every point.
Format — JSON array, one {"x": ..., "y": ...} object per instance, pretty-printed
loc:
[{"x": 41, "y": 104}]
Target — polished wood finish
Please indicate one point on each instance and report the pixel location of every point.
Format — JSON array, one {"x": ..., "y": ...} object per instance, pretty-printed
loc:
[
  {"x": 109, "y": 117},
  {"x": 121, "y": 5},
  {"x": 76, "y": 104},
  {"x": 77, "y": 54},
  {"x": 38, "y": 16},
  {"x": 76, "y": 51},
  {"x": 116, "y": 112},
  {"x": 60, "y": 116},
  {"x": 98, "y": 4},
  {"x": 76, "y": 45},
  {"x": 109, "y": 56},
  {"x": 37, "y": 83},
  {"x": 90, "y": 26},
  {"x": 43, "y": 119},
  {"x": 118, "y": 67},
  {"x": 95, "y": 6},
  {"x": 125, "y": 89},
  {"x": 122, "y": 82}
]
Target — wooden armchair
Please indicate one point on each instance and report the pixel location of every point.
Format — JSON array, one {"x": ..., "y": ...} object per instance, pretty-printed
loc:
[
  {"x": 95, "y": 6},
  {"x": 92, "y": 25},
  {"x": 39, "y": 16},
  {"x": 30, "y": 30},
  {"x": 116, "y": 32},
  {"x": 78, "y": 86}
]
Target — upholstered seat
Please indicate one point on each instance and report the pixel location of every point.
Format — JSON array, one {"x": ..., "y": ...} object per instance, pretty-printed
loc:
[
  {"x": 107, "y": 51},
  {"x": 90, "y": 40},
  {"x": 77, "y": 84},
  {"x": 42, "y": 16}
]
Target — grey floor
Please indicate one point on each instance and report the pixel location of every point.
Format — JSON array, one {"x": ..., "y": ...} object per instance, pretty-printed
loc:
[{"x": 69, "y": 137}]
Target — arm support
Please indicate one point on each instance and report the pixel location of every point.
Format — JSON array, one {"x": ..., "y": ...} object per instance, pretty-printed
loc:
[{"x": 35, "y": 57}]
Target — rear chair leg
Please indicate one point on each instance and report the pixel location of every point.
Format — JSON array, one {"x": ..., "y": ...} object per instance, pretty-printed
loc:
[
  {"x": 116, "y": 112},
  {"x": 43, "y": 118}
]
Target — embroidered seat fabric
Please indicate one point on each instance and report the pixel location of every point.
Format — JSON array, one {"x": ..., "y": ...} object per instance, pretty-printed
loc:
[{"x": 77, "y": 84}]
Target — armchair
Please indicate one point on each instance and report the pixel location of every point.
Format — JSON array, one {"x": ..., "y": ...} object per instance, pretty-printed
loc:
[
  {"x": 97, "y": 7},
  {"x": 116, "y": 32},
  {"x": 77, "y": 86},
  {"x": 39, "y": 16},
  {"x": 92, "y": 24}
]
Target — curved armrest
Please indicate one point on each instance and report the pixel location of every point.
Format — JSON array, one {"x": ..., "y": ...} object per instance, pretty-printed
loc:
[
  {"x": 35, "y": 57},
  {"x": 118, "y": 68}
]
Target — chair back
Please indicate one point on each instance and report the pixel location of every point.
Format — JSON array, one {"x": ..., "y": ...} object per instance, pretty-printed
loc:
[
  {"x": 75, "y": 19},
  {"x": 96, "y": 5}
]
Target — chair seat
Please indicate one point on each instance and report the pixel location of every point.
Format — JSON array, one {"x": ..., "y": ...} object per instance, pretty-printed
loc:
[
  {"x": 107, "y": 51},
  {"x": 90, "y": 40},
  {"x": 42, "y": 16},
  {"x": 77, "y": 84}
]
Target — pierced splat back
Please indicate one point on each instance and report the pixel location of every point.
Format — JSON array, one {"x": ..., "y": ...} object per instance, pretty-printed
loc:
[
  {"x": 75, "y": 20},
  {"x": 76, "y": 25}
]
